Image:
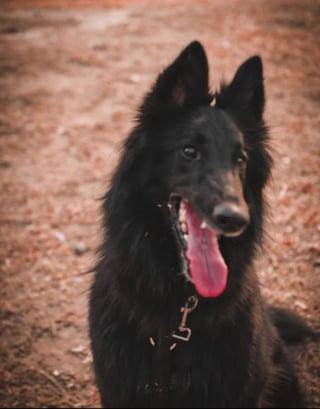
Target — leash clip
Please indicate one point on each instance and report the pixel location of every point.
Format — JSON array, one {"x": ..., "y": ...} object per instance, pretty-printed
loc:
[{"x": 185, "y": 332}]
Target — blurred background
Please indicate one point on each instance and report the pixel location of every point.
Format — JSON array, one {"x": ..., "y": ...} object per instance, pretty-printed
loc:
[{"x": 72, "y": 75}]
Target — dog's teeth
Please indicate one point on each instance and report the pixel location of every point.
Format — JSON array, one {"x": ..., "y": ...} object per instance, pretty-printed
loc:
[
  {"x": 203, "y": 225},
  {"x": 184, "y": 227},
  {"x": 182, "y": 216},
  {"x": 169, "y": 205},
  {"x": 185, "y": 236}
]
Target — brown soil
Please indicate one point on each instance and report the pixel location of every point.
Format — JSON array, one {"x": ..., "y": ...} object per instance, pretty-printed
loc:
[{"x": 71, "y": 79}]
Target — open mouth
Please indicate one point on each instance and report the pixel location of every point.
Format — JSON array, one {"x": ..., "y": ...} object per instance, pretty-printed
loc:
[{"x": 201, "y": 258}]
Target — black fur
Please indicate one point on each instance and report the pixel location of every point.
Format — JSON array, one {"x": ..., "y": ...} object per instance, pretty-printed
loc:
[{"x": 235, "y": 357}]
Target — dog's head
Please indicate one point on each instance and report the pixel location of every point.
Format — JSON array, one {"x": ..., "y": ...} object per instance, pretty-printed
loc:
[{"x": 209, "y": 155}]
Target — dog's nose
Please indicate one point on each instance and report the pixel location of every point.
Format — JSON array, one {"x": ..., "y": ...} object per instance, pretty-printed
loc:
[{"x": 230, "y": 218}]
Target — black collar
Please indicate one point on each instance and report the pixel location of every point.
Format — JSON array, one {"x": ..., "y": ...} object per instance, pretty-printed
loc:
[{"x": 159, "y": 387}]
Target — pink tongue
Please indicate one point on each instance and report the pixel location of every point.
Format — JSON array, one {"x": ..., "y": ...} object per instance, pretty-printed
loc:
[{"x": 208, "y": 270}]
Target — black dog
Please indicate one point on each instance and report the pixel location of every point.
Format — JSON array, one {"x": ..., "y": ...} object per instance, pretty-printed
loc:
[{"x": 176, "y": 314}]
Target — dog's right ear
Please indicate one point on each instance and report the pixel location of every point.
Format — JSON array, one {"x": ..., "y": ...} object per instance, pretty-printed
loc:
[{"x": 184, "y": 84}]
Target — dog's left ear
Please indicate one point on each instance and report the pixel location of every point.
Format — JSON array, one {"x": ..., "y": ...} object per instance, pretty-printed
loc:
[
  {"x": 184, "y": 84},
  {"x": 245, "y": 93}
]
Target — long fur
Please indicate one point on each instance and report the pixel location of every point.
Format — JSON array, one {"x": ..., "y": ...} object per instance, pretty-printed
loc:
[{"x": 236, "y": 357}]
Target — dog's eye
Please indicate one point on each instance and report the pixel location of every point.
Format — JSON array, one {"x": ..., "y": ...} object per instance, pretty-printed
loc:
[
  {"x": 190, "y": 152},
  {"x": 241, "y": 158}
]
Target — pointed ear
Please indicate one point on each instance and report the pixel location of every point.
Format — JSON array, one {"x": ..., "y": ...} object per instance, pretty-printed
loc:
[
  {"x": 245, "y": 94},
  {"x": 185, "y": 83}
]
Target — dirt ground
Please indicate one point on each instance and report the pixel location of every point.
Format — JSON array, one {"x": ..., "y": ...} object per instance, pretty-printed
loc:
[{"x": 71, "y": 77}]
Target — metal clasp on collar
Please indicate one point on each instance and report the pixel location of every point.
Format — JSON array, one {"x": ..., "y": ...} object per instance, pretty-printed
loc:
[{"x": 185, "y": 332}]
